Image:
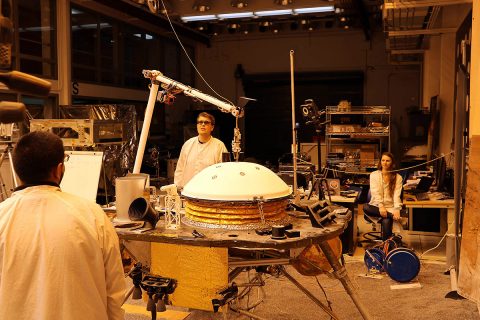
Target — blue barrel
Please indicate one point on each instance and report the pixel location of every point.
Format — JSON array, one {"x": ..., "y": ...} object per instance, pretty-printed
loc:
[
  {"x": 374, "y": 259},
  {"x": 402, "y": 264}
]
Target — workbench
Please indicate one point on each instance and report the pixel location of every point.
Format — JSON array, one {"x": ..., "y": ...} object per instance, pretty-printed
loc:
[{"x": 447, "y": 214}]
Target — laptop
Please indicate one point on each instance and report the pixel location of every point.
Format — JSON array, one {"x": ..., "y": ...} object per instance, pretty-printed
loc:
[{"x": 423, "y": 185}]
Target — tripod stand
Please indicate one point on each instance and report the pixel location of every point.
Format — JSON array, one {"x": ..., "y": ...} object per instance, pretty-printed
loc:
[
  {"x": 321, "y": 174},
  {"x": 4, "y": 192}
]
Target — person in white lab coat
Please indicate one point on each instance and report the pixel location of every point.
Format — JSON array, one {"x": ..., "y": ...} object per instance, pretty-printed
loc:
[
  {"x": 59, "y": 253},
  {"x": 199, "y": 152}
]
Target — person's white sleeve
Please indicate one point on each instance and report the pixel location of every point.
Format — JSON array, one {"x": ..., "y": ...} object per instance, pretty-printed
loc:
[
  {"x": 222, "y": 149},
  {"x": 375, "y": 192},
  {"x": 114, "y": 276},
  {"x": 178, "y": 175},
  {"x": 397, "y": 201}
]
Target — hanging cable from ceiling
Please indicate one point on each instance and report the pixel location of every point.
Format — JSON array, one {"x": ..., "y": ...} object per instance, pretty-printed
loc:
[{"x": 188, "y": 57}]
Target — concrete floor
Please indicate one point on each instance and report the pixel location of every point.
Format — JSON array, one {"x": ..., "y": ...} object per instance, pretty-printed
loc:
[{"x": 284, "y": 301}]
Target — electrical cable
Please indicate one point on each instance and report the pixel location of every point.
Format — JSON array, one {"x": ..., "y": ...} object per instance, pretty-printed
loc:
[
  {"x": 329, "y": 303},
  {"x": 438, "y": 244},
  {"x": 188, "y": 57},
  {"x": 397, "y": 170},
  {"x": 362, "y": 173}
]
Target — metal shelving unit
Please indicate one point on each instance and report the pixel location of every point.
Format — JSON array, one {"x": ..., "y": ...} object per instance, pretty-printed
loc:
[{"x": 355, "y": 137}]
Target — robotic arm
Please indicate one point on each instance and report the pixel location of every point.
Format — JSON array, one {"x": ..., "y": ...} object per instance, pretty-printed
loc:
[
  {"x": 171, "y": 84},
  {"x": 173, "y": 87}
]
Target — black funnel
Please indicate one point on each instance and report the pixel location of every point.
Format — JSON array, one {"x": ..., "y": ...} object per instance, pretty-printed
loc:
[{"x": 140, "y": 210}]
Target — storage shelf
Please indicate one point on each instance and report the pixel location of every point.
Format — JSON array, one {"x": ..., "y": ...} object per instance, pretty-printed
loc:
[
  {"x": 366, "y": 143},
  {"x": 364, "y": 110},
  {"x": 361, "y": 112},
  {"x": 359, "y": 134}
]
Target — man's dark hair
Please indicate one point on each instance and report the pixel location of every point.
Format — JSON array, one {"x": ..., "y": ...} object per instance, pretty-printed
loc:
[
  {"x": 36, "y": 154},
  {"x": 208, "y": 116}
]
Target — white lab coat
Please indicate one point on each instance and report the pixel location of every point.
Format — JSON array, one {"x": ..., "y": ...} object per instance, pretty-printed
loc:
[
  {"x": 380, "y": 194},
  {"x": 59, "y": 258},
  {"x": 196, "y": 156}
]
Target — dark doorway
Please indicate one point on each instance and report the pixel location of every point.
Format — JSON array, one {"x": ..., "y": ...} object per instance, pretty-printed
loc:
[{"x": 268, "y": 122}]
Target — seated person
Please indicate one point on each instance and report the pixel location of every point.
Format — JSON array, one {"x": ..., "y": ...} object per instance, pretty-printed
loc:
[{"x": 385, "y": 189}]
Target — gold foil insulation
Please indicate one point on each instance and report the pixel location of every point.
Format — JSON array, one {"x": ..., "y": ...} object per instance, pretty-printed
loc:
[{"x": 239, "y": 215}]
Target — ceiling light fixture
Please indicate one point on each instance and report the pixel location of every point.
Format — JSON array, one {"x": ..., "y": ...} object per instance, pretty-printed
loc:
[
  {"x": 270, "y": 13},
  {"x": 205, "y": 17},
  {"x": 314, "y": 10},
  {"x": 201, "y": 8},
  {"x": 153, "y": 5},
  {"x": 238, "y": 4},
  {"x": 201, "y": 5},
  {"x": 283, "y": 2},
  {"x": 233, "y": 27},
  {"x": 235, "y": 15},
  {"x": 263, "y": 26}
]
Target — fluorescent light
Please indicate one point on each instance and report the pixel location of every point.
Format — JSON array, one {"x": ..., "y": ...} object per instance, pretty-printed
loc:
[
  {"x": 314, "y": 9},
  {"x": 273, "y": 13},
  {"x": 198, "y": 18},
  {"x": 235, "y": 15}
]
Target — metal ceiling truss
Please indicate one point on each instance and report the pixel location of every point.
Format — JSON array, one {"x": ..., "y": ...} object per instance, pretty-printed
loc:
[{"x": 407, "y": 23}]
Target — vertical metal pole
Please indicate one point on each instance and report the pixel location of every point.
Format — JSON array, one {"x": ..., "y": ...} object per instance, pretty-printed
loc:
[
  {"x": 294, "y": 142},
  {"x": 341, "y": 274},
  {"x": 459, "y": 163},
  {"x": 64, "y": 86}
]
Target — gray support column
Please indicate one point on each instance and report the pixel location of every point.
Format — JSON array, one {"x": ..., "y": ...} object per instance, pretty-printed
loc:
[{"x": 64, "y": 53}]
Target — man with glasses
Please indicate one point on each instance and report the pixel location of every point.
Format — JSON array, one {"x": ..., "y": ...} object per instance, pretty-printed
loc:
[
  {"x": 59, "y": 253},
  {"x": 199, "y": 152}
]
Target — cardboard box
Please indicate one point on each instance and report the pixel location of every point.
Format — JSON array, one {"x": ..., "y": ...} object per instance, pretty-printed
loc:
[{"x": 367, "y": 155}]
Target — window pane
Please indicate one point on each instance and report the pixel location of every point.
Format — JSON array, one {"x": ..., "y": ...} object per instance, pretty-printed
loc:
[
  {"x": 37, "y": 37},
  {"x": 84, "y": 38}
]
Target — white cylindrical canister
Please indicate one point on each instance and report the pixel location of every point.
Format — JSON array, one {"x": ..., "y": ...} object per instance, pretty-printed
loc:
[{"x": 127, "y": 189}]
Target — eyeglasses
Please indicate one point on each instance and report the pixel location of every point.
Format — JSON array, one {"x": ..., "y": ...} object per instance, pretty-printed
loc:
[
  {"x": 66, "y": 157},
  {"x": 200, "y": 122}
]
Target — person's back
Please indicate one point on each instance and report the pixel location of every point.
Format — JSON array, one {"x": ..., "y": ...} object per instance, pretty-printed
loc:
[
  {"x": 59, "y": 253},
  {"x": 52, "y": 257}
]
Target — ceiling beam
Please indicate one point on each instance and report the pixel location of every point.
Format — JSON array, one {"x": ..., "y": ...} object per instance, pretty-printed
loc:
[
  {"x": 420, "y": 31},
  {"x": 403, "y": 4},
  {"x": 141, "y": 14}
]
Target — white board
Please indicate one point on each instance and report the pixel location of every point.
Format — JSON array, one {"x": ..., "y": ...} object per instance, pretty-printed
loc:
[{"x": 82, "y": 173}]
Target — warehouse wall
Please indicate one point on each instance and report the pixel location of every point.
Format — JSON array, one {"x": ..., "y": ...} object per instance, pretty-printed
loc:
[
  {"x": 439, "y": 71},
  {"x": 385, "y": 84}
]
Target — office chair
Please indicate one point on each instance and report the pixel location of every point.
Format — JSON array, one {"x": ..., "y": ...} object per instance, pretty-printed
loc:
[{"x": 374, "y": 235}]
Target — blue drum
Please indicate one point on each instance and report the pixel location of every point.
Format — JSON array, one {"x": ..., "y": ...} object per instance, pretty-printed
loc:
[
  {"x": 374, "y": 259},
  {"x": 402, "y": 264}
]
